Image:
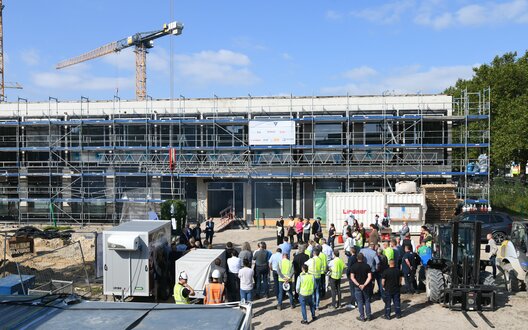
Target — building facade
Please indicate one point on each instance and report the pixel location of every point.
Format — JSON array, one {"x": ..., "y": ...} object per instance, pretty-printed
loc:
[{"x": 104, "y": 161}]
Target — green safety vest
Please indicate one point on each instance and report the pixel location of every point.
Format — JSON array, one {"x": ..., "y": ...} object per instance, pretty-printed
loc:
[
  {"x": 324, "y": 265},
  {"x": 307, "y": 253},
  {"x": 286, "y": 266},
  {"x": 337, "y": 269},
  {"x": 178, "y": 295},
  {"x": 389, "y": 253},
  {"x": 307, "y": 284},
  {"x": 315, "y": 267},
  {"x": 359, "y": 241}
]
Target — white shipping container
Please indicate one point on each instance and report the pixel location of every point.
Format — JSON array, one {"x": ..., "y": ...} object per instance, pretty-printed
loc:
[{"x": 365, "y": 206}]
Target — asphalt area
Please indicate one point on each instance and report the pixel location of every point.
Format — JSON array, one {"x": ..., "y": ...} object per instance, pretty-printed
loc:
[{"x": 417, "y": 312}]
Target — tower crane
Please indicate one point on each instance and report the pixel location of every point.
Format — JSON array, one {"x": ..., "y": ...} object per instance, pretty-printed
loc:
[
  {"x": 3, "y": 85},
  {"x": 142, "y": 41}
]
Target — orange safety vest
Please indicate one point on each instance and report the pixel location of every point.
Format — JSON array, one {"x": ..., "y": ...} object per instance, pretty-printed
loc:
[{"x": 214, "y": 294}]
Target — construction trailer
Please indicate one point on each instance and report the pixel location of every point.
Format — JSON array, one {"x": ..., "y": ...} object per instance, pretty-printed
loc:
[
  {"x": 132, "y": 252},
  {"x": 259, "y": 157}
]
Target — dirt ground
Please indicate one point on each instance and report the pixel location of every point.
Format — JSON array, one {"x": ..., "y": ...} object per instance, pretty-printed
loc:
[{"x": 417, "y": 312}]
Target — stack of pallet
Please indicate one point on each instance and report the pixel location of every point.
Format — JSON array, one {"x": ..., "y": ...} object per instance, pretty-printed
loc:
[{"x": 441, "y": 201}]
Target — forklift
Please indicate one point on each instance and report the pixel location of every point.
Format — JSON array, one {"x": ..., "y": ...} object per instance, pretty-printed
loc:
[{"x": 454, "y": 274}]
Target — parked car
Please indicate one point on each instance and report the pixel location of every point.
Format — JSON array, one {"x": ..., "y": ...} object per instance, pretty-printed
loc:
[{"x": 499, "y": 224}]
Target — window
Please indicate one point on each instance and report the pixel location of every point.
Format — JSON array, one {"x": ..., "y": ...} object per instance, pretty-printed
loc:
[
  {"x": 273, "y": 199},
  {"x": 484, "y": 218},
  {"x": 328, "y": 134}
]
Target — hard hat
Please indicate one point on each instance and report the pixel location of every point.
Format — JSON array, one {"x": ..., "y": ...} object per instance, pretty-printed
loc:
[
  {"x": 286, "y": 286},
  {"x": 183, "y": 276},
  {"x": 215, "y": 274}
]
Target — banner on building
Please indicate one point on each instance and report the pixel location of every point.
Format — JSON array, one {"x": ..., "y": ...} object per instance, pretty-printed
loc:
[{"x": 276, "y": 132}]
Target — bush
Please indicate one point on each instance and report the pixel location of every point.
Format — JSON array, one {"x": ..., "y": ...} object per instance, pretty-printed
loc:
[
  {"x": 180, "y": 213},
  {"x": 510, "y": 195}
]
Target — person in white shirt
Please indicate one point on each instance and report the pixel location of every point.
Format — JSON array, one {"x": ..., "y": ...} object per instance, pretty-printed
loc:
[
  {"x": 346, "y": 227},
  {"x": 233, "y": 282},
  {"x": 246, "y": 282},
  {"x": 326, "y": 249},
  {"x": 349, "y": 242}
]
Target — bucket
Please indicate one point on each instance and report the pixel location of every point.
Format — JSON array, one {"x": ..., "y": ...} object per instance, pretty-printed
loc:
[{"x": 340, "y": 239}]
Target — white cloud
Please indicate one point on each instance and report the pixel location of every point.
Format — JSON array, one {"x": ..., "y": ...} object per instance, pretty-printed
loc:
[
  {"x": 360, "y": 73},
  {"x": 30, "y": 57},
  {"x": 248, "y": 43},
  {"x": 79, "y": 77},
  {"x": 223, "y": 67},
  {"x": 385, "y": 14},
  {"x": 406, "y": 80},
  {"x": 333, "y": 15},
  {"x": 475, "y": 14},
  {"x": 286, "y": 56},
  {"x": 157, "y": 60}
]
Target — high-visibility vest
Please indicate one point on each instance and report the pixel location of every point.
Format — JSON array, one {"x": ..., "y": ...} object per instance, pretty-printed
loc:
[
  {"x": 429, "y": 243},
  {"x": 315, "y": 267},
  {"x": 307, "y": 252},
  {"x": 214, "y": 294},
  {"x": 359, "y": 240},
  {"x": 307, "y": 284},
  {"x": 337, "y": 269},
  {"x": 324, "y": 264},
  {"x": 178, "y": 295},
  {"x": 286, "y": 266},
  {"x": 389, "y": 253}
]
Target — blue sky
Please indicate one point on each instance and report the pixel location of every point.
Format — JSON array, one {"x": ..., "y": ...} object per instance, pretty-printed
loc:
[{"x": 232, "y": 48}]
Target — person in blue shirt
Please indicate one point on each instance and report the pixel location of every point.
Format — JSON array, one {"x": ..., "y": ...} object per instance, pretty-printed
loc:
[
  {"x": 286, "y": 246},
  {"x": 274, "y": 267}
]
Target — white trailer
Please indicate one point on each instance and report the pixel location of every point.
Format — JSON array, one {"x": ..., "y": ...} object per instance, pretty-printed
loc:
[
  {"x": 365, "y": 206},
  {"x": 198, "y": 264},
  {"x": 128, "y": 252}
]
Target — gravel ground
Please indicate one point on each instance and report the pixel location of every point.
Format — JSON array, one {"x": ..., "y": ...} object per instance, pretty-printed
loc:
[{"x": 417, "y": 312}]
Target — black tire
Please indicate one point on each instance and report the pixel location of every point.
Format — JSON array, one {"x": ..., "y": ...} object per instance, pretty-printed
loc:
[
  {"x": 512, "y": 283},
  {"x": 434, "y": 285},
  {"x": 499, "y": 237}
]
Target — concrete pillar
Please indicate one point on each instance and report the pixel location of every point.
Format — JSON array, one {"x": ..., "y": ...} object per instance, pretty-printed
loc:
[
  {"x": 298, "y": 210},
  {"x": 155, "y": 191},
  {"x": 66, "y": 189},
  {"x": 201, "y": 199},
  {"x": 111, "y": 195},
  {"x": 248, "y": 202},
  {"x": 23, "y": 190}
]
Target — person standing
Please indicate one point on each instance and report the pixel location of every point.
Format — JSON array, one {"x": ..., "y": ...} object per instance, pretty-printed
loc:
[
  {"x": 279, "y": 227},
  {"x": 218, "y": 266},
  {"x": 285, "y": 272},
  {"x": 246, "y": 282},
  {"x": 286, "y": 246},
  {"x": 358, "y": 238},
  {"x": 391, "y": 281},
  {"x": 233, "y": 282},
  {"x": 327, "y": 250},
  {"x": 376, "y": 222},
  {"x": 345, "y": 229},
  {"x": 493, "y": 254},
  {"x": 404, "y": 231},
  {"x": 352, "y": 259},
  {"x": 374, "y": 236},
  {"x": 298, "y": 260},
  {"x": 315, "y": 264},
  {"x": 336, "y": 267},
  {"x": 363, "y": 233},
  {"x": 299, "y": 230},
  {"x": 274, "y": 268},
  {"x": 388, "y": 251},
  {"x": 246, "y": 253},
  {"x": 182, "y": 290},
  {"x": 349, "y": 242},
  {"x": 361, "y": 276},
  {"x": 261, "y": 257},
  {"x": 407, "y": 269},
  {"x": 291, "y": 229},
  {"x": 331, "y": 235},
  {"x": 307, "y": 226},
  {"x": 214, "y": 292},
  {"x": 382, "y": 266},
  {"x": 305, "y": 288},
  {"x": 371, "y": 258},
  {"x": 324, "y": 268},
  {"x": 209, "y": 230},
  {"x": 196, "y": 233},
  {"x": 317, "y": 229}
]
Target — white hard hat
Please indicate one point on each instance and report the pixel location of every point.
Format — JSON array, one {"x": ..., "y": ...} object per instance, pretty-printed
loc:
[
  {"x": 183, "y": 276},
  {"x": 286, "y": 286},
  {"x": 215, "y": 274}
]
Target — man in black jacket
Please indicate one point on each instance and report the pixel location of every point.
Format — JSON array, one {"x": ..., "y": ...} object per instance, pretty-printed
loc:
[{"x": 299, "y": 260}]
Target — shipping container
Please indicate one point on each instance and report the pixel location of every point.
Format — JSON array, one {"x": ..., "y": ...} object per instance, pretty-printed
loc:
[{"x": 365, "y": 206}]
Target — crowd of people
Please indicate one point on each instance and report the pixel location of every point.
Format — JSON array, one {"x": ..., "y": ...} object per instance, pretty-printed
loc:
[{"x": 305, "y": 267}]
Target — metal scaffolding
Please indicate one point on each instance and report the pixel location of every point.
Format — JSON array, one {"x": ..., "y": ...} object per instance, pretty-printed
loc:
[{"x": 83, "y": 164}]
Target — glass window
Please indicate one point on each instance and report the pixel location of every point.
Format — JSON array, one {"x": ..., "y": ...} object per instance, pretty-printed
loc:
[
  {"x": 273, "y": 199},
  {"x": 328, "y": 134},
  {"x": 484, "y": 218}
]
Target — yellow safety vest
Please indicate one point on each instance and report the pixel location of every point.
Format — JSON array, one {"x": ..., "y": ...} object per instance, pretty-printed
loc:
[
  {"x": 337, "y": 269},
  {"x": 286, "y": 266},
  {"x": 307, "y": 284},
  {"x": 315, "y": 267},
  {"x": 324, "y": 264},
  {"x": 178, "y": 295},
  {"x": 307, "y": 252}
]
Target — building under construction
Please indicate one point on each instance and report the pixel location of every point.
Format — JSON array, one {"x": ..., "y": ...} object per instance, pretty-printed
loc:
[{"x": 85, "y": 161}]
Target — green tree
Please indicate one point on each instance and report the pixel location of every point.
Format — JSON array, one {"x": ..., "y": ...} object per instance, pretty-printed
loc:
[
  {"x": 507, "y": 75},
  {"x": 180, "y": 213}
]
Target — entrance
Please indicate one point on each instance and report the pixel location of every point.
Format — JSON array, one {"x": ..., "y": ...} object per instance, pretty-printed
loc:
[{"x": 222, "y": 196}]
